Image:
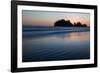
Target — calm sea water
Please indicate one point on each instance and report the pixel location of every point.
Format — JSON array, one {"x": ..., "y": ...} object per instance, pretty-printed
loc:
[{"x": 60, "y": 46}]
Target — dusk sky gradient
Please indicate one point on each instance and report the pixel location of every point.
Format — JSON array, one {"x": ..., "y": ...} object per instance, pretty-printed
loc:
[{"x": 45, "y": 18}]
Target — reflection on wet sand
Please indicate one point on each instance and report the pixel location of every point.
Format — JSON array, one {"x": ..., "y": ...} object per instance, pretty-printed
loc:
[
  {"x": 63, "y": 46},
  {"x": 76, "y": 36}
]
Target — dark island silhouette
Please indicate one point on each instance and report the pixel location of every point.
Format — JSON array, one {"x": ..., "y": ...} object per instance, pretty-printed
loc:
[{"x": 67, "y": 23}]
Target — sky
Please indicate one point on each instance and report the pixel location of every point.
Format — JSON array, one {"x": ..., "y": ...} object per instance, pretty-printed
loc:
[{"x": 48, "y": 18}]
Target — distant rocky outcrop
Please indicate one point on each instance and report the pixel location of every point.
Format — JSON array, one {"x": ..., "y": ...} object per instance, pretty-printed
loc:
[{"x": 67, "y": 23}]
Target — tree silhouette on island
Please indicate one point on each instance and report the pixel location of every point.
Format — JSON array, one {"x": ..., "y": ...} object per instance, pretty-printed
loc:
[{"x": 67, "y": 23}]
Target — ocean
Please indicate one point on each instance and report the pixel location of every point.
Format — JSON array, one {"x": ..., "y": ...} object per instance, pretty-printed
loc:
[{"x": 50, "y": 44}]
